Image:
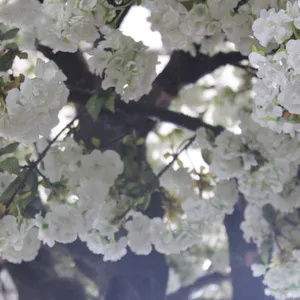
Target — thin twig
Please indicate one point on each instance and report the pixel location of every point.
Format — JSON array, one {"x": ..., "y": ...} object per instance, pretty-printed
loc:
[
  {"x": 34, "y": 164},
  {"x": 191, "y": 140}
]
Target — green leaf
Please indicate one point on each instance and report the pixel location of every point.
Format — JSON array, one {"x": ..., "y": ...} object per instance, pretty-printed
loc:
[
  {"x": 28, "y": 192},
  {"x": 32, "y": 181},
  {"x": 188, "y": 4},
  {"x": 94, "y": 106},
  {"x": 6, "y": 61},
  {"x": 138, "y": 2},
  {"x": 272, "y": 119},
  {"x": 6, "y": 197},
  {"x": 168, "y": 154},
  {"x": 254, "y": 49},
  {"x": 266, "y": 251},
  {"x": 10, "y": 165},
  {"x": 23, "y": 199},
  {"x": 10, "y": 34},
  {"x": 140, "y": 141},
  {"x": 207, "y": 155},
  {"x": 127, "y": 139},
  {"x": 282, "y": 48},
  {"x": 96, "y": 142},
  {"x": 269, "y": 214},
  {"x": 46, "y": 183},
  {"x": 296, "y": 32},
  {"x": 12, "y": 46},
  {"x": 9, "y": 148},
  {"x": 22, "y": 55},
  {"x": 110, "y": 104}
]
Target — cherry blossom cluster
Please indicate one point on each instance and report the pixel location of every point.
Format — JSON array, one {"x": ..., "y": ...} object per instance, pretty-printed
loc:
[
  {"x": 31, "y": 110},
  {"x": 59, "y": 24},
  {"x": 264, "y": 165},
  {"x": 209, "y": 23},
  {"x": 126, "y": 64},
  {"x": 276, "y": 101},
  {"x": 62, "y": 25},
  {"x": 86, "y": 210}
]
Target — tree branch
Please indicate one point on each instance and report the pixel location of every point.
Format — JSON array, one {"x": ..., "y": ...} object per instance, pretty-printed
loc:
[
  {"x": 185, "y": 292},
  {"x": 184, "y": 68},
  {"x": 165, "y": 115},
  {"x": 189, "y": 142},
  {"x": 244, "y": 285}
]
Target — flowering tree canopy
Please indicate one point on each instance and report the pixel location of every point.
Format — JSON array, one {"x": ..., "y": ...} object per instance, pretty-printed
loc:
[{"x": 142, "y": 210}]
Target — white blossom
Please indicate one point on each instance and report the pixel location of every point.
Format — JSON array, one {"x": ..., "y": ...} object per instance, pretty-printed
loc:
[
  {"x": 127, "y": 66},
  {"x": 272, "y": 25},
  {"x": 62, "y": 224},
  {"x": 33, "y": 110},
  {"x": 139, "y": 234}
]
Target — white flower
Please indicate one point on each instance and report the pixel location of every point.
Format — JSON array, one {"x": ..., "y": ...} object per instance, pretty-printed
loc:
[
  {"x": 62, "y": 224},
  {"x": 127, "y": 66},
  {"x": 266, "y": 180},
  {"x": 5, "y": 180},
  {"x": 226, "y": 195},
  {"x": 296, "y": 254},
  {"x": 33, "y": 110},
  {"x": 258, "y": 270},
  {"x": 272, "y": 25},
  {"x": 292, "y": 47},
  {"x": 28, "y": 252},
  {"x": 238, "y": 28},
  {"x": 228, "y": 145},
  {"x": 98, "y": 217},
  {"x": 115, "y": 250},
  {"x": 94, "y": 241},
  {"x": 202, "y": 139},
  {"x": 198, "y": 23},
  {"x": 87, "y": 4},
  {"x": 139, "y": 234},
  {"x": 9, "y": 232},
  {"x": 221, "y": 8},
  {"x": 179, "y": 182},
  {"x": 176, "y": 27},
  {"x": 91, "y": 193},
  {"x": 198, "y": 210},
  {"x": 283, "y": 280},
  {"x": 105, "y": 166},
  {"x": 69, "y": 23},
  {"x": 21, "y": 13},
  {"x": 162, "y": 238},
  {"x": 255, "y": 228},
  {"x": 289, "y": 97},
  {"x": 226, "y": 168},
  {"x": 61, "y": 161}
]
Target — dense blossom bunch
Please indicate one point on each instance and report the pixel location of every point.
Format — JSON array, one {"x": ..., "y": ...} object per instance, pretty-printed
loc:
[
  {"x": 207, "y": 23},
  {"x": 31, "y": 110},
  {"x": 180, "y": 28},
  {"x": 60, "y": 24},
  {"x": 277, "y": 92},
  {"x": 127, "y": 66}
]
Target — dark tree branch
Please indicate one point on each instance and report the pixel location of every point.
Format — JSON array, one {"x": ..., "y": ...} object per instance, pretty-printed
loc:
[
  {"x": 38, "y": 280},
  {"x": 181, "y": 70},
  {"x": 184, "y": 69},
  {"x": 165, "y": 115},
  {"x": 185, "y": 292},
  {"x": 142, "y": 109},
  {"x": 244, "y": 285}
]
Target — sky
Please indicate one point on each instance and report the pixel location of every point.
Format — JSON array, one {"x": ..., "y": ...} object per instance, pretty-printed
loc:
[{"x": 135, "y": 24}]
